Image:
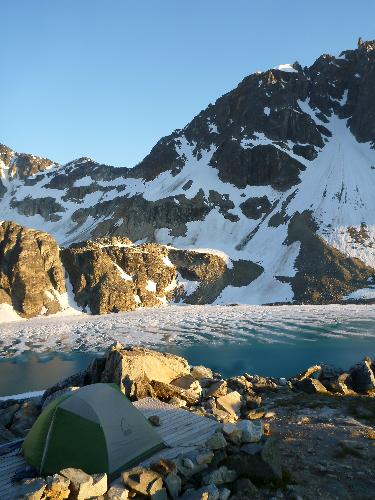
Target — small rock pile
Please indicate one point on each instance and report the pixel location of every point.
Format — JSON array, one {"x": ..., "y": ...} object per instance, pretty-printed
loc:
[
  {"x": 223, "y": 467},
  {"x": 359, "y": 379}
]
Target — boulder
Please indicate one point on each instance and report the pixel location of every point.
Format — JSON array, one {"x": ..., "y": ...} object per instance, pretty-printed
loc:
[
  {"x": 201, "y": 372},
  {"x": 341, "y": 384},
  {"x": 189, "y": 383},
  {"x": 142, "y": 481},
  {"x": 362, "y": 376},
  {"x": 216, "y": 442},
  {"x": 231, "y": 403},
  {"x": 251, "y": 432},
  {"x": 125, "y": 366},
  {"x": 312, "y": 370},
  {"x": 81, "y": 484}
]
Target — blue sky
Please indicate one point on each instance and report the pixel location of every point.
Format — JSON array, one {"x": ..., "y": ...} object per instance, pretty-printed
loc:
[{"x": 107, "y": 79}]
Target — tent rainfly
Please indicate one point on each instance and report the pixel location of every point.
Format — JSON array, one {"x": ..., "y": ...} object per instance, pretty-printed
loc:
[{"x": 96, "y": 429}]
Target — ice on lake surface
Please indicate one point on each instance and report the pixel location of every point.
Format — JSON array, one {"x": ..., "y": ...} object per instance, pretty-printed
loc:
[
  {"x": 278, "y": 340},
  {"x": 182, "y": 326}
]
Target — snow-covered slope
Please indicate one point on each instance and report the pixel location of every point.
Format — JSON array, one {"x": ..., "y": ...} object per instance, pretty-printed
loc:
[{"x": 278, "y": 173}]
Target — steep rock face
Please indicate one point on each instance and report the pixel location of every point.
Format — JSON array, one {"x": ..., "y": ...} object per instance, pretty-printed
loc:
[
  {"x": 21, "y": 165},
  {"x": 114, "y": 277},
  {"x": 325, "y": 275},
  {"x": 31, "y": 275},
  {"x": 209, "y": 273},
  {"x": 285, "y": 141}
]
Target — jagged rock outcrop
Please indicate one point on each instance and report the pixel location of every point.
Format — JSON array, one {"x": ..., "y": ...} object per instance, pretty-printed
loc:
[
  {"x": 112, "y": 278},
  {"x": 31, "y": 274},
  {"x": 21, "y": 165},
  {"x": 109, "y": 274},
  {"x": 284, "y": 142},
  {"x": 325, "y": 275}
]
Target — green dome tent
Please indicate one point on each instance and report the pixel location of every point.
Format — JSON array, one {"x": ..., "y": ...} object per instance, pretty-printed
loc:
[{"x": 96, "y": 429}]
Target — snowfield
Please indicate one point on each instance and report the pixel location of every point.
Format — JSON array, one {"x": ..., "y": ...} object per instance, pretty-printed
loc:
[{"x": 188, "y": 325}]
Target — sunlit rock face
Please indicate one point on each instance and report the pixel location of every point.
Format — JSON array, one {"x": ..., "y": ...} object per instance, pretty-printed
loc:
[{"x": 276, "y": 175}]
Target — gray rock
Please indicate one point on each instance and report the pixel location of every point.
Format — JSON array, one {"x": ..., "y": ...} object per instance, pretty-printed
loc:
[
  {"x": 219, "y": 476},
  {"x": 129, "y": 366},
  {"x": 362, "y": 376},
  {"x": 231, "y": 403},
  {"x": 216, "y": 442},
  {"x": 173, "y": 483},
  {"x": 80, "y": 483}
]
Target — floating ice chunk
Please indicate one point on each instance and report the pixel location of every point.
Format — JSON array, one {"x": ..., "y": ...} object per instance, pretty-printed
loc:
[{"x": 267, "y": 111}]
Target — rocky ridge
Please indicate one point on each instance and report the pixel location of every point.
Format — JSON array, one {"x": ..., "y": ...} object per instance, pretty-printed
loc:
[{"x": 307, "y": 437}]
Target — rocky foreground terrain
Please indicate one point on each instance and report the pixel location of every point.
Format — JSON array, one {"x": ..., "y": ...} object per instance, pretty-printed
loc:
[
  {"x": 278, "y": 174},
  {"x": 309, "y": 437}
]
